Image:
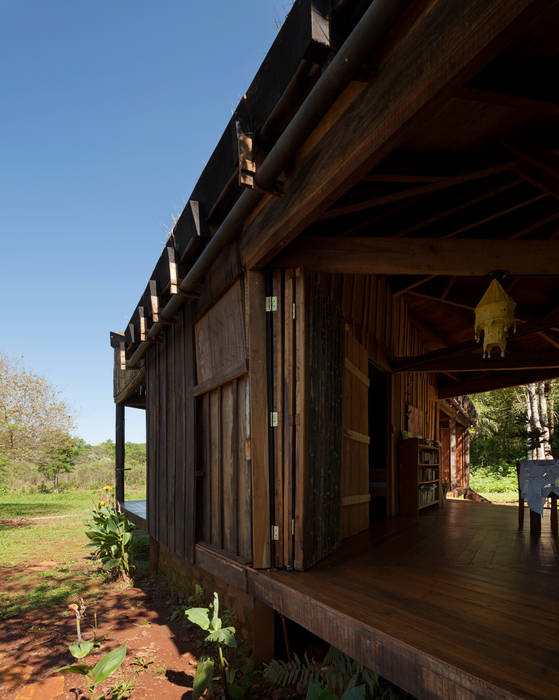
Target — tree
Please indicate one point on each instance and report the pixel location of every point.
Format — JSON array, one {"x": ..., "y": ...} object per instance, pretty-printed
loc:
[
  {"x": 60, "y": 458},
  {"x": 34, "y": 420},
  {"x": 516, "y": 423}
]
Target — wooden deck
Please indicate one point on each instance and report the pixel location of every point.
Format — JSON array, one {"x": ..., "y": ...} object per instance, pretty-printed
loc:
[
  {"x": 136, "y": 511},
  {"x": 454, "y": 604}
]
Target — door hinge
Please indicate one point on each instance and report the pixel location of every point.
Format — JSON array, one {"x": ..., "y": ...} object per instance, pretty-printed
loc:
[
  {"x": 293, "y": 309},
  {"x": 275, "y": 532},
  {"x": 293, "y": 526},
  {"x": 271, "y": 304},
  {"x": 274, "y": 419}
]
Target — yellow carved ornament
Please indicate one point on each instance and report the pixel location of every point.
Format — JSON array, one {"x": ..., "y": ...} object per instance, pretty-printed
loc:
[{"x": 494, "y": 318}]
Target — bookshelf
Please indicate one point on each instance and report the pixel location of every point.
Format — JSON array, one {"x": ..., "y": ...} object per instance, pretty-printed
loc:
[{"x": 420, "y": 475}]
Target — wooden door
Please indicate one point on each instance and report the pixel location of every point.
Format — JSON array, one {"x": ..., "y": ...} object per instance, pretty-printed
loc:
[{"x": 355, "y": 447}]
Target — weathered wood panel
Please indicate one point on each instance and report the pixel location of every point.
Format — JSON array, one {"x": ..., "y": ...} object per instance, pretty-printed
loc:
[
  {"x": 324, "y": 419},
  {"x": 257, "y": 427},
  {"x": 224, "y": 467},
  {"x": 170, "y": 434},
  {"x": 381, "y": 323},
  {"x": 355, "y": 495},
  {"x": 220, "y": 338}
]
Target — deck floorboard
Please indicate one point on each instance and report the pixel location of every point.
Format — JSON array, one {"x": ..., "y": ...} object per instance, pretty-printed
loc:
[{"x": 454, "y": 603}]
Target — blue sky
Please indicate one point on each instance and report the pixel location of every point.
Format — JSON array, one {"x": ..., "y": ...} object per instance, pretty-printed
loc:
[{"x": 108, "y": 112}]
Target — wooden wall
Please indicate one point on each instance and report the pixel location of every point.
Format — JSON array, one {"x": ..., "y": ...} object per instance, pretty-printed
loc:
[
  {"x": 323, "y": 488},
  {"x": 170, "y": 436},
  {"x": 224, "y": 483},
  {"x": 381, "y": 323},
  {"x": 197, "y": 418},
  {"x": 224, "y": 470}
]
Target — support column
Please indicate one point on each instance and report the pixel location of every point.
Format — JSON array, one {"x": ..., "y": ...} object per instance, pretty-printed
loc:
[
  {"x": 452, "y": 451},
  {"x": 119, "y": 453}
]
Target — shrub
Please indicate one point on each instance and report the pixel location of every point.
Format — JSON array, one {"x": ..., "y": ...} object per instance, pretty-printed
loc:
[{"x": 110, "y": 533}]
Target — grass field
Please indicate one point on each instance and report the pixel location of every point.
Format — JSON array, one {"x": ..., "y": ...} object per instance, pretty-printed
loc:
[
  {"x": 44, "y": 560},
  {"x": 495, "y": 487}
]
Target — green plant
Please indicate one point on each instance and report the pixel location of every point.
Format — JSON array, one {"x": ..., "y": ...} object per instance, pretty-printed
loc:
[
  {"x": 194, "y": 598},
  {"x": 94, "y": 675},
  {"x": 110, "y": 533},
  {"x": 79, "y": 611},
  {"x": 208, "y": 619},
  {"x": 317, "y": 692},
  {"x": 338, "y": 673},
  {"x": 141, "y": 662},
  {"x": 121, "y": 690}
]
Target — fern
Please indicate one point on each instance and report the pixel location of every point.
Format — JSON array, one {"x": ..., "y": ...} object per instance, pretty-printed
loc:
[{"x": 338, "y": 672}]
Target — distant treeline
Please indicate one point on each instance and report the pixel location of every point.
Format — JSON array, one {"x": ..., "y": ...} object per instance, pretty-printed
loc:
[{"x": 94, "y": 466}]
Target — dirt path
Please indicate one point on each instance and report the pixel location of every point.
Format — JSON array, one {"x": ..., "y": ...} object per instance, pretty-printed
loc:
[{"x": 161, "y": 659}]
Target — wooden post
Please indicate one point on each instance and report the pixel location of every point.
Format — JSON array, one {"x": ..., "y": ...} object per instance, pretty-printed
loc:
[
  {"x": 520, "y": 500},
  {"x": 119, "y": 453},
  {"x": 452, "y": 452},
  {"x": 554, "y": 513}
]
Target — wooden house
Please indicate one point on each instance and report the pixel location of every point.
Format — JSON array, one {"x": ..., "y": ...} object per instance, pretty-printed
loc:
[
  {"x": 456, "y": 417},
  {"x": 314, "y": 303}
]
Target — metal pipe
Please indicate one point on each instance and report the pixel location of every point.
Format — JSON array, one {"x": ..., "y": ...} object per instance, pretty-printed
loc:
[{"x": 350, "y": 57}]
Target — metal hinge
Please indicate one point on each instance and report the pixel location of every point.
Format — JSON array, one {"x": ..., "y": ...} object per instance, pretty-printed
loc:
[
  {"x": 275, "y": 532},
  {"x": 293, "y": 310},
  {"x": 274, "y": 419},
  {"x": 293, "y": 526},
  {"x": 271, "y": 304}
]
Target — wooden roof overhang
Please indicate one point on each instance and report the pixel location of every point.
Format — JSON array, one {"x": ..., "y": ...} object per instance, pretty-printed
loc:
[
  {"x": 436, "y": 165},
  {"x": 466, "y": 186}
]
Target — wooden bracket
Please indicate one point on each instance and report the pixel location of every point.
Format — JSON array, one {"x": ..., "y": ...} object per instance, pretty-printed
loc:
[
  {"x": 173, "y": 272},
  {"x": 245, "y": 152},
  {"x": 143, "y": 323},
  {"x": 154, "y": 300},
  {"x": 122, "y": 357}
]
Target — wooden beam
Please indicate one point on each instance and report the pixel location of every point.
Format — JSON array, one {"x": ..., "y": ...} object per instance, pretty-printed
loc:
[
  {"x": 412, "y": 285},
  {"x": 413, "y": 364},
  {"x": 475, "y": 363},
  {"x": 538, "y": 166},
  {"x": 495, "y": 215},
  {"x": 463, "y": 205},
  {"x": 422, "y": 256},
  {"x": 444, "y": 48},
  {"x": 499, "y": 380},
  {"x": 506, "y": 100},
  {"x": 403, "y": 177},
  {"x": 415, "y": 191},
  {"x": 442, "y": 300}
]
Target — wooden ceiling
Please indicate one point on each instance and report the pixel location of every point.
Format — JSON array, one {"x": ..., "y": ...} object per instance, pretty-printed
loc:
[{"x": 483, "y": 166}]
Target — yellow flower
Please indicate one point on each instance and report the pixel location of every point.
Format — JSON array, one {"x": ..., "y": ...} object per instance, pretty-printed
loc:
[
  {"x": 107, "y": 488},
  {"x": 102, "y": 503}
]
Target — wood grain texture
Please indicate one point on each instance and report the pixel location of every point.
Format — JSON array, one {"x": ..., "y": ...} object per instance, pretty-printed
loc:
[
  {"x": 323, "y": 404},
  {"x": 220, "y": 337},
  {"x": 422, "y": 256},
  {"x": 355, "y": 442},
  {"x": 258, "y": 427},
  {"x": 445, "y": 605},
  {"x": 439, "y": 52}
]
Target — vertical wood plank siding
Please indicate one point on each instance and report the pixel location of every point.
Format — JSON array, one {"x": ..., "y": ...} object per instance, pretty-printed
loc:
[
  {"x": 381, "y": 324},
  {"x": 170, "y": 437},
  {"x": 224, "y": 464},
  {"x": 324, "y": 435},
  {"x": 223, "y": 460}
]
